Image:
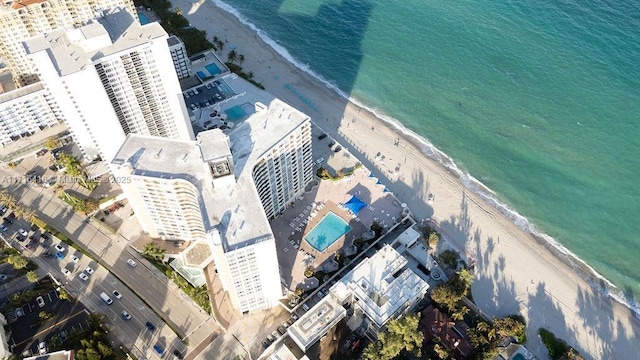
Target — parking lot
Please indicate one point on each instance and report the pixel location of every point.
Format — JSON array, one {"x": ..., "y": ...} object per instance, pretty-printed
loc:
[
  {"x": 207, "y": 94},
  {"x": 28, "y": 329}
]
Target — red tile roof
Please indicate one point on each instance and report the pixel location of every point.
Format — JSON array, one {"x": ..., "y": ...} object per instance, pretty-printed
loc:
[{"x": 434, "y": 323}]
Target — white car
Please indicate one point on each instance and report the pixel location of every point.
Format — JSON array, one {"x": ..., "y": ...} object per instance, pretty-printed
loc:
[
  {"x": 23, "y": 232},
  {"x": 42, "y": 348},
  {"x": 75, "y": 259},
  {"x": 40, "y": 301},
  {"x": 117, "y": 294},
  {"x": 83, "y": 276},
  {"x": 60, "y": 248},
  {"x": 66, "y": 272},
  {"x": 131, "y": 263},
  {"x": 126, "y": 315},
  {"x": 88, "y": 270}
]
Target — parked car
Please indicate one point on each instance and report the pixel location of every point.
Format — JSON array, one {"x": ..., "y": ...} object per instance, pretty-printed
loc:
[
  {"x": 23, "y": 232},
  {"x": 40, "y": 301},
  {"x": 59, "y": 255},
  {"x": 83, "y": 276},
  {"x": 66, "y": 272},
  {"x": 21, "y": 238},
  {"x": 4, "y": 228},
  {"x": 158, "y": 349},
  {"x": 282, "y": 330},
  {"x": 126, "y": 315},
  {"x": 150, "y": 326},
  {"x": 332, "y": 143},
  {"x": 89, "y": 270},
  {"x": 337, "y": 149},
  {"x": 47, "y": 254},
  {"x": 74, "y": 259},
  {"x": 131, "y": 263},
  {"x": 178, "y": 354},
  {"x": 60, "y": 248},
  {"x": 117, "y": 294},
  {"x": 42, "y": 348},
  {"x": 322, "y": 136}
]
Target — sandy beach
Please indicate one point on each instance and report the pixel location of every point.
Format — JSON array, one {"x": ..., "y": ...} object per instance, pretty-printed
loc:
[{"x": 515, "y": 273}]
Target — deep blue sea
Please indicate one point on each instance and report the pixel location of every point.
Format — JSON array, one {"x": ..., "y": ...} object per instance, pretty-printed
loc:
[{"x": 539, "y": 100}]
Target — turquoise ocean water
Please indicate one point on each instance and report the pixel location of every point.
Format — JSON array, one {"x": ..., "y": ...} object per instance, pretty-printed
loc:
[{"x": 539, "y": 100}]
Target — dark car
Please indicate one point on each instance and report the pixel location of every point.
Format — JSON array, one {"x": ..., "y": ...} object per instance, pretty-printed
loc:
[
  {"x": 332, "y": 143},
  {"x": 338, "y": 148},
  {"x": 20, "y": 238},
  {"x": 322, "y": 136},
  {"x": 45, "y": 236},
  {"x": 150, "y": 326},
  {"x": 47, "y": 254},
  {"x": 177, "y": 354},
  {"x": 34, "y": 227},
  {"x": 282, "y": 330}
]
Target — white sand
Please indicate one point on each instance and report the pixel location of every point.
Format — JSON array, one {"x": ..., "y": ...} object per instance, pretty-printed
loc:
[{"x": 514, "y": 273}]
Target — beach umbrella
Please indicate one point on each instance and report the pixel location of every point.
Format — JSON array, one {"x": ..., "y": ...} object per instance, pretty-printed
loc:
[
  {"x": 386, "y": 190},
  {"x": 371, "y": 175},
  {"x": 379, "y": 182}
]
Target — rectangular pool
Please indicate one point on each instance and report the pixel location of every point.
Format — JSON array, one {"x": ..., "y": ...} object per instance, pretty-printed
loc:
[
  {"x": 143, "y": 19},
  {"x": 235, "y": 113},
  {"x": 327, "y": 231},
  {"x": 213, "y": 69}
]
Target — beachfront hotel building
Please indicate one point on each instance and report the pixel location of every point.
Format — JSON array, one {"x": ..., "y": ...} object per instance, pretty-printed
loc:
[
  {"x": 205, "y": 190},
  {"x": 25, "y": 111},
  {"x": 111, "y": 77},
  {"x": 380, "y": 288},
  {"x": 181, "y": 62},
  {"x": 22, "y": 19}
]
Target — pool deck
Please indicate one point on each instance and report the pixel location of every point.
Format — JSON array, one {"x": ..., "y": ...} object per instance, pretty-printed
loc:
[{"x": 290, "y": 228}]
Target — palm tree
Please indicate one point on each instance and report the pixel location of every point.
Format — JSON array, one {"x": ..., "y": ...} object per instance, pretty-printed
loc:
[
  {"x": 28, "y": 213},
  {"x": 459, "y": 315},
  {"x": 241, "y": 59},
  {"x": 220, "y": 45},
  {"x": 153, "y": 251},
  {"x": 178, "y": 11},
  {"x": 18, "y": 261},
  {"x": 232, "y": 56},
  {"x": 32, "y": 276}
]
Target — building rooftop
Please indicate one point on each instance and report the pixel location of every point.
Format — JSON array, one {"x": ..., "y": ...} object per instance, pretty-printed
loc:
[
  {"x": 233, "y": 208},
  {"x": 23, "y": 3},
  {"x": 316, "y": 322},
  {"x": 20, "y": 92},
  {"x": 58, "y": 355},
  {"x": 113, "y": 31},
  {"x": 173, "y": 40},
  {"x": 383, "y": 285}
]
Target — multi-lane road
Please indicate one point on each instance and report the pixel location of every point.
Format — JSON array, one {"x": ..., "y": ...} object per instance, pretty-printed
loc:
[{"x": 192, "y": 325}]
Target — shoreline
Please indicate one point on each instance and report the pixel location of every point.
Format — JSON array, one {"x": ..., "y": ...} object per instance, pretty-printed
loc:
[{"x": 574, "y": 280}]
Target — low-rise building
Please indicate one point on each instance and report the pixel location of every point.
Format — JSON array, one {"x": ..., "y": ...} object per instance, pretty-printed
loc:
[
  {"x": 25, "y": 111},
  {"x": 379, "y": 289},
  {"x": 436, "y": 324}
]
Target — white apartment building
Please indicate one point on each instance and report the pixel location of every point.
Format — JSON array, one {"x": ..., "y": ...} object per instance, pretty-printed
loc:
[
  {"x": 22, "y": 19},
  {"x": 379, "y": 289},
  {"x": 112, "y": 77},
  {"x": 204, "y": 191},
  {"x": 181, "y": 61},
  {"x": 25, "y": 111}
]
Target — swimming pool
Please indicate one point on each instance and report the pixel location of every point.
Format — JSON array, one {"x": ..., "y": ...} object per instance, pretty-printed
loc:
[
  {"x": 235, "y": 113},
  {"x": 201, "y": 75},
  {"x": 143, "y": 19},
  {"x": 327, "y": 231},
  {"x": 213, "y": 69}
]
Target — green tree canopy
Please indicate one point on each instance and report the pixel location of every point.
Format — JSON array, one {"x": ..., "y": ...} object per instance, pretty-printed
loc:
[
  {"x": 153, "y": 251},
  {"x": 32, "y": 276},
  {"x": 18, "y": 261},
  {"x": 401, "y": 335},
  {"x": 52, "y": 143}
]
